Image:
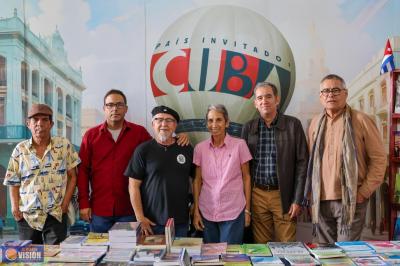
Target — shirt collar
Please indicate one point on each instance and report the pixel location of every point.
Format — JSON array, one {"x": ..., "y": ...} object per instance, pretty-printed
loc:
[
  {"x": 227, "y": 141},
  {"x": 125, "y": 125},
  {"x": 30, "y": 144}
]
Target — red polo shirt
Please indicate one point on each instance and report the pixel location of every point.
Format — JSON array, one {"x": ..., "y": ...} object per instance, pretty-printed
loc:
[{"x": 102, "y": 185}]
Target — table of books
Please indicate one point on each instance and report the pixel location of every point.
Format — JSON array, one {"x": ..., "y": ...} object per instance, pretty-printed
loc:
[{"x": 123, "y": 245}]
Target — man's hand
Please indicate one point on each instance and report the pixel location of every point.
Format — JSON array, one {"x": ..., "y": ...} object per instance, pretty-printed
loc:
[
  {"x": 146, "y": 226},
  {"x": 294, "y": 211},
  {"x": 17, "y": 213},
  {"x": 247, "y": 219},
  {"x": 182, "y": 139},
  {"x": 64, "y": 207},
  {"x": 360, "y": 198},
  {"x": 86, "y": 214},
  {"x": 198, "y": 221}
]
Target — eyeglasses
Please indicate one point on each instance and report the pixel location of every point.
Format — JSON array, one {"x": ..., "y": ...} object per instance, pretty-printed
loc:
[
  {"x": 334, "y": 91},
  {"x": 117, "y": 105},
  {"x": 159, "y": 120}
]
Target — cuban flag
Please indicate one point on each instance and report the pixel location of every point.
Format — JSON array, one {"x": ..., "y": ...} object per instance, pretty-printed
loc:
[{"x": 387, "y": 64}]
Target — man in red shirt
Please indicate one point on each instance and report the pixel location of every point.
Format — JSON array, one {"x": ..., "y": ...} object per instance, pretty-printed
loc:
[{"x": 105, "y": 152}]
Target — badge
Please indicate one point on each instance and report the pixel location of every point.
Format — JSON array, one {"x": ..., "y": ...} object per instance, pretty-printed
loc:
[{"x": 181, "y": 158}]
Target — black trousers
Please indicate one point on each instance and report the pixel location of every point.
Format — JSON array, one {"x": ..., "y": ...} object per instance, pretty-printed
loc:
[{"x": 53, "y": 232}]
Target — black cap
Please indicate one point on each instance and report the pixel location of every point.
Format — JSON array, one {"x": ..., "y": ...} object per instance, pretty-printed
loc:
[{"x": 165, "y": 110}]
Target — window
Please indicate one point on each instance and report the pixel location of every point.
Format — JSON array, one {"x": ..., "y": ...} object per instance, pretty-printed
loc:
[
  {"x": 371, "y": 102},
  {"x": 3, "y": 71},
  {"x": 60, "y": 101},
  {"x": 361, "y": 103},
  {"x": 59, "y": 128},
  {"x": 69, "y": 133},
  {"x": 68, "y": 103},
  {"x": 2, "y": 110},
  {"x": 24, "y": 78},
  {"x": 48, "y": 94},
  {"x": 383, "y": 94},
  {"x": 35, "y": 83}
]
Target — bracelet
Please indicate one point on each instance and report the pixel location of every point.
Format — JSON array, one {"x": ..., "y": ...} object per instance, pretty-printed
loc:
[{"x": 247, "y": 212}]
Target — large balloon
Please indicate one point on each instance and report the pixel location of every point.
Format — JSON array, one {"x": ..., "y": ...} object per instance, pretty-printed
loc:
[{"x": 216, "y": 55}]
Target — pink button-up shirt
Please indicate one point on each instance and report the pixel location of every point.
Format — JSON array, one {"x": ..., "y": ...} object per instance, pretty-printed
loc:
[{"x": 222, "y": 195}]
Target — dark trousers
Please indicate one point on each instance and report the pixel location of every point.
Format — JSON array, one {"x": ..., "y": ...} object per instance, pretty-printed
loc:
[{"x": 53, "y": 232}]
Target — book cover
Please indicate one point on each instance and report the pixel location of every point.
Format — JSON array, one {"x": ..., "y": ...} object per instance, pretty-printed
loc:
[
  {"x": 16, "y": 243},
  {"x": 337, "y": 262},
  {"x": 152, "y": 241},
  {"x": 396, "y": 193},
  {"x": 73, "y": 241},
  {"x": 96, "y": 239},
  {"x": 349, "y": 246},
  {"x": 206, "y": 260},
  {"x": 234, "y": 249},
  {"x": 287, "y": 248},
  {"x": 125, "y": 229},
  {"x": 370, "y": 261},
  {"x": 257, "y": 250},
  {"x": 383, "y": 246},
  {"x": 235, "y": 258},
  {"x": 147, "y": 254},
  {"x": 323, "y": 251},
  {"x": 301, "y": 260},
  {"x": 169, "y": 233},
  {"x": 213, "y": 248},
  {"x": 266, "y": 260},
  {"x": 396, "y": 151},
  {"x": 119, "y": 255},
  {"x": 78, "y": 256}
]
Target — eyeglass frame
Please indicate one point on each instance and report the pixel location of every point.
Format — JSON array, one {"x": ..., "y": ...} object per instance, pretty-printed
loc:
[
  {"x": 335, "y": 91},
  {"x": 160, "y": 120},
  {"x": 118, "y": 105}
]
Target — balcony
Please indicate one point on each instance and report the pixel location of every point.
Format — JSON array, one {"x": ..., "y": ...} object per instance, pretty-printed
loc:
[{"x": 14, "y": 132}]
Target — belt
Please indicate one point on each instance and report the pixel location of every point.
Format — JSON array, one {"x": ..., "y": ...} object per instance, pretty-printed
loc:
[{"x": 266, "y": 187}]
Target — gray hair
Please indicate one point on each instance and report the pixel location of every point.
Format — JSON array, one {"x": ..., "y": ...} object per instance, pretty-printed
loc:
[
  {"x": 336, "y": 77},
  {"x": 220, "y": 108},
  {"x": 265, "y": 84}
]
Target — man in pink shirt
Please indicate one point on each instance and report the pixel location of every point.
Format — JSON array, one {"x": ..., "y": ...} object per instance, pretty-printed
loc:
[{"x": 222, "y": 182}]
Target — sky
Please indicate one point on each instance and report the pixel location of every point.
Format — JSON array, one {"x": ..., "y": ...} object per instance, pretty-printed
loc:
[{"x": 112, "y": 41}]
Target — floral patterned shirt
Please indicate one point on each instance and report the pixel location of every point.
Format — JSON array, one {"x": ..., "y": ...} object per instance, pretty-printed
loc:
[{"x": 42, "y": 181}]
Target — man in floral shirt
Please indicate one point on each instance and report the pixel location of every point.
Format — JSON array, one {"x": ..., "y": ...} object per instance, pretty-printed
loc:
[{"x": 41, "y": 177}]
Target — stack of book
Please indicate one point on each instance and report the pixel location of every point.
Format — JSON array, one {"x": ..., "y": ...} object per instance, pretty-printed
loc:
[
  {"x": 211, "y": 249},
  {"x": 257, "y": 250},
  {"x": 191, "y": 244},
  {"x": 73, "y": 251},
  {"x": 119, "y": 256},
  {"x": 96, "y": 239},
  {"x": 124, "y": 235},
  {"x": 301, "y": 260},
  {"x": 263, "y": 261},
  {"x": 151, "y": 242},
  {"x": 354, "y": 249},
  {"x": 169, "y": 233},
  {"x": 180, "y": 258},
  {"x": 236, "y": 259},
  {"x": 280, "y": 249},
  {"x": 325, "y": 251},
  {"x": 148, "y": 255}
]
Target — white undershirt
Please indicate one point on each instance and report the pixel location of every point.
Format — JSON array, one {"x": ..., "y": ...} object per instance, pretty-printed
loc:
[{"x": 115, "y": 133}]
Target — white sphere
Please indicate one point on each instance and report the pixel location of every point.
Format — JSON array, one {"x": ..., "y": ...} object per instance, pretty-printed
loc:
[{"x": 216, "y": 55}]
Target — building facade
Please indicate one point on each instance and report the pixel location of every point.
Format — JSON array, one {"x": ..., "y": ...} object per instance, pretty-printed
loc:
[
  {"x": 369, "y": 92},
  {"x": 34, "y": 70}
]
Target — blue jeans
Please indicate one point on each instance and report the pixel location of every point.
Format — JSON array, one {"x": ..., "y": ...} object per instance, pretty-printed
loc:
[
  {"x": 226, "y": 231},
  {"x": 101, "y": 224},
  {"x": 181, "y": 230}
]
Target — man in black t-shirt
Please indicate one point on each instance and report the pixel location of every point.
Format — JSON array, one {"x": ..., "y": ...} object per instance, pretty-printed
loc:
[{"x": 159, "y": 172}]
